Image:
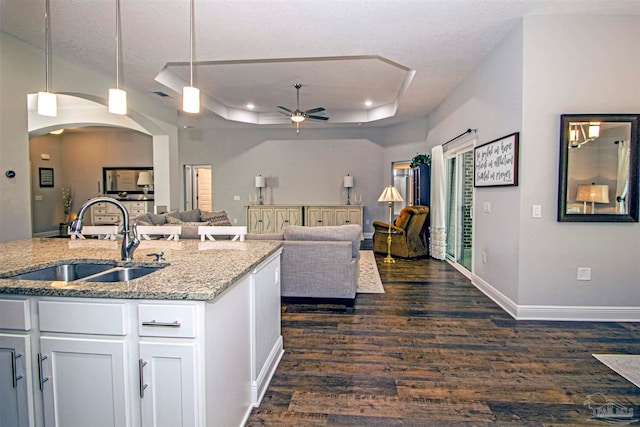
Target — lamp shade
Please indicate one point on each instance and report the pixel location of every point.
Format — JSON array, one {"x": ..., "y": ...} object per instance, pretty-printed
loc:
[
  {"x": 390, "y": 194},
  {"x": 348, "y": 181},
  {"x": 593, "y": 193},
  {"x": 145, "y": 178},
  {"x": 260, "y": 181}
]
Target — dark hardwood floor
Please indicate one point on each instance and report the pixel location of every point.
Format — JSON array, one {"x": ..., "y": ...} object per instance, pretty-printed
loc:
[{"x": 435, "y": 351}]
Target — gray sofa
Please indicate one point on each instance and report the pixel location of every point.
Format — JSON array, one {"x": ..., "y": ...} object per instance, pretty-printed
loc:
[{"x": 318, "y": 262}]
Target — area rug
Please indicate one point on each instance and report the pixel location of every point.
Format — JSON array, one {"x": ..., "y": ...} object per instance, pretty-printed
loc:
[
  {"x": 627, "y": 365},
  {"x": 369, "y": 279}
]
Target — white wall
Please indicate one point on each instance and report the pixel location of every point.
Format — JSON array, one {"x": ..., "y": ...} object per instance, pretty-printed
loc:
[{"x": 574, "y": 64}]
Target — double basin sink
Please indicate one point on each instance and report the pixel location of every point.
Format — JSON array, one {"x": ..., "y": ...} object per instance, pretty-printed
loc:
[{"x": 85, "y": 271}]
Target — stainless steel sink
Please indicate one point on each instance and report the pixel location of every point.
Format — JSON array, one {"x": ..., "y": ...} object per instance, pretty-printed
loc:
[
  {"x": 122, "y": 274},
  {"x": 64, "y": 272}
]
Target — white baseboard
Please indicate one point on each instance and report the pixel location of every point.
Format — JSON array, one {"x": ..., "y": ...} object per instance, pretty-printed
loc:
[
  {"x": 47, "y": 234},
  {"x": 259, "y": 385},
  {"x": 557, "y": 312}
]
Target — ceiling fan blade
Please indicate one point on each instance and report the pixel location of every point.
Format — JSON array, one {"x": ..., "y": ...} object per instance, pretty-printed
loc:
[
  {"x": 284, "y": 108},
  {"x": 314, "y": 110},
  {"x": 317, "y": 117}
]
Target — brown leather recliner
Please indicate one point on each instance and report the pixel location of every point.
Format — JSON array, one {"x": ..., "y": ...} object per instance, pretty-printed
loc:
[{"x": 410, "y": 234}]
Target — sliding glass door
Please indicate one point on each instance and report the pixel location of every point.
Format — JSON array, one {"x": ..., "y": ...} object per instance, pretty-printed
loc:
[{"x": 459, "y": 206}]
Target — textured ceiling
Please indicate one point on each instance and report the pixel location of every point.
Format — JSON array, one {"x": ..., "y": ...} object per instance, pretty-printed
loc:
[{"x": 403, "y": 55}]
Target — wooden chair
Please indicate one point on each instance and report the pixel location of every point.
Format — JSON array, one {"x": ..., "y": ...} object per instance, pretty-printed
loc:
[
  {"x": 105, "y": 232},
  {"x": 171, "y": 231},
  {"x": 208, "y": 231}
]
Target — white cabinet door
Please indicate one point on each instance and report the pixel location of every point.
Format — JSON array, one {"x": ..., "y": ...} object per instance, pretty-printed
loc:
[
  {"x": 266, "y": 339},
  {"x": 168, "y": 384},
  {"x": 15, "y": 381},
  {"x": 84, "y": 382}
]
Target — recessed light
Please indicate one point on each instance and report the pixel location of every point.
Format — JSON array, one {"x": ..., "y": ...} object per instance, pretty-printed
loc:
[
  {"x": 250, "y": 106},
  {"x": 368, "y": 103}
]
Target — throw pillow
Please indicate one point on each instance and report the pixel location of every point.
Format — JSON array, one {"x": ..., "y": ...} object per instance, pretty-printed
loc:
[
  {"x": 215, "y": 218},
  {"x": 142, "y": 220},
  {"x": 157, "y": 219}
]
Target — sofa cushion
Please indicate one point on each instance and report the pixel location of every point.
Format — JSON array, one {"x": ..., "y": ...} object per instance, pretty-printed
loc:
[
  {"x": 189, "y": 230},
  {"x": 264, "y": 236},
  {"x": 142, "y": 220},
  {"x": 190, "y": 216},
  {"x": 173, "y": 220},
  {"x": 215, "y": 218},
  {"x": 349, "y": 232}
]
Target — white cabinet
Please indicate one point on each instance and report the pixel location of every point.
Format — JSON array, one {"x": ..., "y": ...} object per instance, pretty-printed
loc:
[
  {"x": 16, "y": 404},
  {"x": 168, "y": 384},
  {"x": 266, "y": 339},
  {"x": 84, "y": 381},
  {"x": 272, "y": 218},
  {"x": 107, "y": 213},
  {"x": 16, "y": 386},
  {"x": 169, "y": 374}
]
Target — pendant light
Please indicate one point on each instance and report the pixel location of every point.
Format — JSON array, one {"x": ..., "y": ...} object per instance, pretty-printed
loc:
[
  {"x": 47, "y": 101},
  {"x": 190, "y": 94},
  {"x": 117, "y": 96}
]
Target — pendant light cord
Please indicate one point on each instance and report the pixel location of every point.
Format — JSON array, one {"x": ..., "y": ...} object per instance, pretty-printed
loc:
[
  {"x": 191, "y": 44},
  {"x": 117, "y": 44},
  {"x": 47, "y": 45}
]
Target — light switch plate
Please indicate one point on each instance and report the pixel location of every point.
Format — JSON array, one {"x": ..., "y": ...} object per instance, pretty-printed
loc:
[
  {"x": 236, "y": 197},
  {"x": 486, "y": 207},
  {"x": 584, "y": 273},
  {"x": 536, "y": 211}
]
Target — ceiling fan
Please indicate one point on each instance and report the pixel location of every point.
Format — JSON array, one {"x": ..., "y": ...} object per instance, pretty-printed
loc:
[{"x": 298, "y": 116}]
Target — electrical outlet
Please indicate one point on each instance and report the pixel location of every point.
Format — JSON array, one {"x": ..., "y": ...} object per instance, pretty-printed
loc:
[
  {"x": 484, "y": 257},
  {"x": 584, "y": 273},
  {"x": 38, "y": 198},
  {"x": 236, "y": 197},
  {"x": 486, "y": 207},
  {"x": 366, "y": 221},
  {"x": 536, "y": 211},
  {"x": 235, "y": 220}
]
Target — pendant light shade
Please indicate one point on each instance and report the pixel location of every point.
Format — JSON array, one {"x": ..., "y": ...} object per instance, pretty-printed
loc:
[
  {"x": 117, "y": 96},
  {"x": 47, "y": 104},
  {"x": 117, "y": 101},
  {"x": 191, "y": 99},
  {"x": 190, "y": 94},
  {"x": 47, "y": 101}
]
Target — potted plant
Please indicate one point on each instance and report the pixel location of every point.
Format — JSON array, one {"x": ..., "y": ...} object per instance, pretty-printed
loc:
[
  {"x": 420, "y": 159},
  {"x": 67, "y": 204}
]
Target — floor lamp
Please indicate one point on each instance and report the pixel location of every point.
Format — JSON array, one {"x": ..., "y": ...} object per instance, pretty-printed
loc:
[{"x": 390, "y": 195}]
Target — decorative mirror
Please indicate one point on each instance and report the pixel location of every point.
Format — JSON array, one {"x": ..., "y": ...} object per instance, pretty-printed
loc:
[
  {"x": 131, "y": 180},
  {"x": 598, "y": 168}
]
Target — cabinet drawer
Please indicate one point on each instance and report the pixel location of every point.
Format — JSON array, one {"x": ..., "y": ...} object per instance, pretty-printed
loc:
[
  {"x": 135, "y": 212},
  {"x": 83, "y": 317},
  {"x": 139, "y": 205},
  {"x": 99, "y": 211},
  {"x": 15, "y": 314},
  {"x": 167, "y": 320},
  {"x": 106, "y": 219}
]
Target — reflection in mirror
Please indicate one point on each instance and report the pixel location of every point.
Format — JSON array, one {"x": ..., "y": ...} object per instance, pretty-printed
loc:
[
  {"x": 127, "y": 180},
  {"x": 598, "y": 168}
]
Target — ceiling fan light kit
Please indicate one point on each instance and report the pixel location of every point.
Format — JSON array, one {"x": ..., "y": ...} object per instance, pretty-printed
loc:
[{"x": 298, "y": 116}]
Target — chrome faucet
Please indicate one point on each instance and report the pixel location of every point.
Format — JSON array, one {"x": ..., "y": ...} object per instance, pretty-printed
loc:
[{"x": 130, "y": 239}]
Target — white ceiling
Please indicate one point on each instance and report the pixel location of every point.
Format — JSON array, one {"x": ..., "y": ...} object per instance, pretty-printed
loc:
[{"x": 404, "y": 55}]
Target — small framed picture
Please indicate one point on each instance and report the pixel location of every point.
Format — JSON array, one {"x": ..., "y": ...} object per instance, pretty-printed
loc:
[{"x": 46, "y": 177}]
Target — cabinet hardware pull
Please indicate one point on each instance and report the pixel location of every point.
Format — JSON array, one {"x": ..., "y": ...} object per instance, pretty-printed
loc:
[
  {"x": 143, "y": 386},
  {"x": 42, "y": 379},
  {"x": 174, "y": 324},
  {"x": 14, "y": 370}
]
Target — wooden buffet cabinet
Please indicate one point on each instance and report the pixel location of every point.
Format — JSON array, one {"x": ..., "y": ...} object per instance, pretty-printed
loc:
[
  {"x": 273, "y": 218},
  {"x": 108, "y": 213}
]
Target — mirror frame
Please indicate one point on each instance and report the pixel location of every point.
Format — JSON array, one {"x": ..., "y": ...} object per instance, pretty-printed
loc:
[
  {"x": 136, "y": 168},
  {"x": 632, "y": 215}
]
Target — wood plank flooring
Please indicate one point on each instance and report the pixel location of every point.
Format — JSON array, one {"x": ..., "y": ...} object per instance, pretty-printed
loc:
[{"x": 435, "y": 351}]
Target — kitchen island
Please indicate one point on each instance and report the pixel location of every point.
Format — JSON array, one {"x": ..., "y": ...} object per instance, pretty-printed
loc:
[{"x": 193, "y": 343}]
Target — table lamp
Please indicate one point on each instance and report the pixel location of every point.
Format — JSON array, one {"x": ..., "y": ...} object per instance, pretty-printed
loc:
[
  {"x": 145, "y": 179},
  {"x": 348, "y": 183},
  {"x": 260, "y": 184},
  {"x": 592, "y": 193}
]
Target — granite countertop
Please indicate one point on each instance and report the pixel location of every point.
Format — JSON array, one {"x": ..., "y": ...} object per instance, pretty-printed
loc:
[{"x": 194, "y": 270}]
